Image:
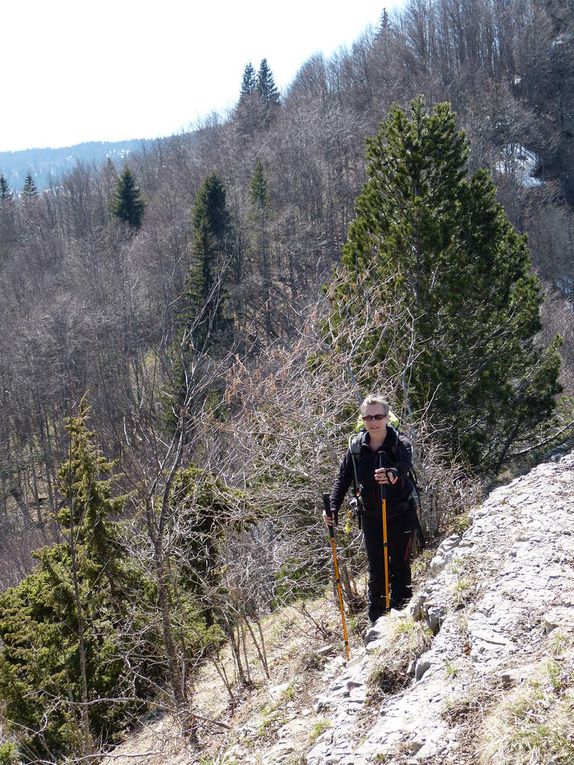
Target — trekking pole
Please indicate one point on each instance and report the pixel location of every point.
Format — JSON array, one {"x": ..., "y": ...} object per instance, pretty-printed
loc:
[
  {"x": 383, "y": 491},
  {"x": 326, "y": 505}
]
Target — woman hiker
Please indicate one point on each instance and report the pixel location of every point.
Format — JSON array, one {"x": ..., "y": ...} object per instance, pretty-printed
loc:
[{"x": 381, "y": 460}]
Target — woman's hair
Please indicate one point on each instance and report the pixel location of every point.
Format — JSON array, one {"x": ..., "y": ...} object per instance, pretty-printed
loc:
[{"x": 375, "y": 398}]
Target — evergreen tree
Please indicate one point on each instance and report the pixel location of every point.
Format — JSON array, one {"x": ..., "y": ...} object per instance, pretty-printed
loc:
[
  {"x": 259, "y": 99},
  {"x": 5, "y": 192},
  {"x": 266, "y": 85},
  {"x": 249, "y": 105},
  {"x": 8, "y": 234},
  {"x": 385, "y": 24},
  {"x": 63, "y": 629},
  {"x": 203, "y": 315},
  {"x": 91, "y": 504},
  {"x": 128, "y": 204},
  {"x": 81, "y": 637},
  {"x": 258, "y": 192},
  {"x": 385, "y": 27},
  {"x": 249, "y": 82},
  {"x": 205, "y": 506},
  {"x": 260, "y": 242},
  {"x": 29, "y": 190},
  {"x": 202, "y": 324},
  {"x": 443, "y": 248}
]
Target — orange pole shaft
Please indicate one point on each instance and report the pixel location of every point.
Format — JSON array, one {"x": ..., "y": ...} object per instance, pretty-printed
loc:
[
  {"x": 339, "y": 591},
  {"x": 337, "y": 577}
]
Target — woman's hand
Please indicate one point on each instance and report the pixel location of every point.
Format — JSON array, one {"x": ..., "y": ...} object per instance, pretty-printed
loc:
[
  {"x": 327, "y": 518},
  {"x": 386, "y": 475}
]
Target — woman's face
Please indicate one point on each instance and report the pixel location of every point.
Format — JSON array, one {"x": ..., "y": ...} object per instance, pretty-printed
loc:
[{"x": 375, "y": 420}]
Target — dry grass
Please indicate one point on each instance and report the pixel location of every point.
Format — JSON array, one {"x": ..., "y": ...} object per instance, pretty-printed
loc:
[
  {"x": 299, "y": 639},
  {"x": 405, "y": 641},
  {"x": 532, "y": 725}
]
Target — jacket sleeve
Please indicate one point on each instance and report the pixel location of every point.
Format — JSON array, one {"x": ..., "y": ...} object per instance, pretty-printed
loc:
[
  {"x": 404, "y": 455},
  {"x": 342, "y": 483}
]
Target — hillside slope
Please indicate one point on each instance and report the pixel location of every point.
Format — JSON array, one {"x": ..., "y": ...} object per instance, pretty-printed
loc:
[
  {"x": 490, "y": 687},
  {"x": 478, "y": 669},
  {"x": 47, "y": 166}
]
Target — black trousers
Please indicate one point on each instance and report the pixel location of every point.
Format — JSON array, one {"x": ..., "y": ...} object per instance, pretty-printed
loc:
[{"x": 399, "y": 536}]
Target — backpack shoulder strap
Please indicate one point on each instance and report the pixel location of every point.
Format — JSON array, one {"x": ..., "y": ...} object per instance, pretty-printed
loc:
[
  {"x": 399, "y": 438},
  {"x": 355, "y": 443}
]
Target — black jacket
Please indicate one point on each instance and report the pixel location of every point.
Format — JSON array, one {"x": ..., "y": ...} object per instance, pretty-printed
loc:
[{"x": 395, "y": 452}]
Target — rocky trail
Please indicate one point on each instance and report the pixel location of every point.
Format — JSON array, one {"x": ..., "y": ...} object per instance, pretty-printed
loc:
[
  {"x": 478, "y": 669},
  {"x": 494, "y": 600}
]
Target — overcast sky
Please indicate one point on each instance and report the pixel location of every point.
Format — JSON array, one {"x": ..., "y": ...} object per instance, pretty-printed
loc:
[{"x": 80, "y": 70}]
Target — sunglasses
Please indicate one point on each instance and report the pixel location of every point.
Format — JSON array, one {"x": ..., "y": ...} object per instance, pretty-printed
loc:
[{"x": 370, "y": 417}]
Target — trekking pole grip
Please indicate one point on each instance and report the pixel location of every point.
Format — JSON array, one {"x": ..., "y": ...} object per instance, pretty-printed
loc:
[
  {"x": 382, "y": 486},
  {"x": 327, "y": 509}
]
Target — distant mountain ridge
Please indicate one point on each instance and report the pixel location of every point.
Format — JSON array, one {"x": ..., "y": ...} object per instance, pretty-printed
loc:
[{"x": 48, "y": 165}]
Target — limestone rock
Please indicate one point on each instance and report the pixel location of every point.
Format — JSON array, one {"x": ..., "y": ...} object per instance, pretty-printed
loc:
[
  {"x": 516, "y": 560},
  {"x": 561, "y": 617}
]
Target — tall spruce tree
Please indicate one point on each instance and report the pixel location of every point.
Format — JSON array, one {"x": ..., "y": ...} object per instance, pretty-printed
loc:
[
  {"x": 128, "y": 204},
  {"x": 258, "y": 188},
  {"x": 5, "y": 192},
  {"x": 8, "y": 235},
  {"x": 258, "y": 100},
  {"x": 442, "y": 246},
  {"x": 29, "y": 190},
  {"x": 266, "y": 85},
  {"x": 203, "y": 326},
  {"x": 249, "y": 111},
  {"x": 64, "y": 639},
  {"x": 260, "y": 242},
  {"x": 249, "y": 81},
  {"x": 204, "y": 315}
]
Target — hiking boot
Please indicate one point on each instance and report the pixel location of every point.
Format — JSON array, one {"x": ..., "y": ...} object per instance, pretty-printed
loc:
[{"x": 375, "y": 614}]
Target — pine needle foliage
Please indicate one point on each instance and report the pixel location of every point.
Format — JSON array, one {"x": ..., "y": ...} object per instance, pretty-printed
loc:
[
  {"x": 204, "y": 328},
  {"x": 64, "y": 679},
  {"x": 249, "y": 81},
  {"x": 5, "y": 191},
  {"x": 259, "y": 187},
  {"x": 442, "y": 249},
  {"x": 266, "y": 85},
  {"x": 29, "y": 189},
  {"x": 128, "y": 204},
  {"x": 204, "y": 302}
]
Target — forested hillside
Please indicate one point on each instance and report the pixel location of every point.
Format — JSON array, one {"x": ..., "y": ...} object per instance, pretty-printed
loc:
[
  {"x": 182, "y": 298},
  {"x": 46, "y": 166}
]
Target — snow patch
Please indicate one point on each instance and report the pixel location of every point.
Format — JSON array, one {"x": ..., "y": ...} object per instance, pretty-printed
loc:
[{"x": 520, "y": 162}]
